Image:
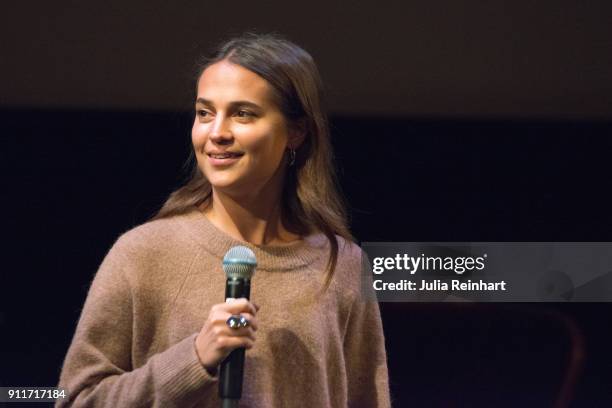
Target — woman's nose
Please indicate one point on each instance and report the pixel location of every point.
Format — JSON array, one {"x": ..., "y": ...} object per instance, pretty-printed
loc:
[{"x": 221, "y": 131}]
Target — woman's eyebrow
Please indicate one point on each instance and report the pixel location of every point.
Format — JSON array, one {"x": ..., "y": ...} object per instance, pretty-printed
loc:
[
  {"x": 247, "y": 104},
  {"x": 203, "y": 101},
  {"x": 232, "y": 104}
]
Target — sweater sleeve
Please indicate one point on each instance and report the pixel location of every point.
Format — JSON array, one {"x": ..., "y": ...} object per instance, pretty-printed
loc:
[
  {"x": 97, "y": 370},
  {"x": 366, "y": 361}
]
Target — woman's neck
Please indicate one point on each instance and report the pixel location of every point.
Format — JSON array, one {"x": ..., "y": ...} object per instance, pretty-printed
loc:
[{"x": 256, "y": 220}]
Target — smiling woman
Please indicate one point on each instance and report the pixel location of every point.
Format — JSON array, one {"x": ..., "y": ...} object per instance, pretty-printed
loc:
[
  {"x": 240, "y": 136},
  {"x": 154, "y": 328}
]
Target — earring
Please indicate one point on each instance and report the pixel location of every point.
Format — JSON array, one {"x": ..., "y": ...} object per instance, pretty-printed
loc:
[{"x": 291, "y": 157}]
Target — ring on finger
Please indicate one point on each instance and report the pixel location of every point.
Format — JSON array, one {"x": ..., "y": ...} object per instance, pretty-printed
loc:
[{"x": 237, "y": 321}]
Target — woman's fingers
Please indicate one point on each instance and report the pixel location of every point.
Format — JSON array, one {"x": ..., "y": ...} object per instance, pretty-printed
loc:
[
  {"x": 229, "y": 343},
  {"x": 238, "y": 306},
  {"x": 216, "y": 339}
]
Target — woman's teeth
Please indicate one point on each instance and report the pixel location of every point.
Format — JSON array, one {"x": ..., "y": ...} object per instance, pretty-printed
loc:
[{"x": 224, "y": 155}]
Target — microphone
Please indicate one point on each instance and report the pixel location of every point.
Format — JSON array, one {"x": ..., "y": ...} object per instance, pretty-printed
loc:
[{"x": 239, "y": 265}]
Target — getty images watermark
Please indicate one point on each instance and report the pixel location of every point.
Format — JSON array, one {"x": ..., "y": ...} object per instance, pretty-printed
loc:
[{"x": 488, "y": 272}]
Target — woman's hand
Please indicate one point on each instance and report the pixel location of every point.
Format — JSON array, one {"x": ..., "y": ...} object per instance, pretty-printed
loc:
[{"x": 216, "y": 340}]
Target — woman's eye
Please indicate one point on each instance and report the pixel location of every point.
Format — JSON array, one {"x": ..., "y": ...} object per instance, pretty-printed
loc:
[
  {"x": 202, "y": 112},
  {"x": 245, "y": 114}
]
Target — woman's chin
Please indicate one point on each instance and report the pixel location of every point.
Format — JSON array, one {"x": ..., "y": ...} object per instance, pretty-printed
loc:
[
  {"x": 222, "y": 180},
  {"x": 231, "y": 187}
]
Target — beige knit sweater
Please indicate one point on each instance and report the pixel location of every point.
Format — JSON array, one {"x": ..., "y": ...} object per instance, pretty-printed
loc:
[{"x": 134, "y": 343}]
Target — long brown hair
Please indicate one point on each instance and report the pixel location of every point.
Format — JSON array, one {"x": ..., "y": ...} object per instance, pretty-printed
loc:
[{"x": 310, "y": 201}]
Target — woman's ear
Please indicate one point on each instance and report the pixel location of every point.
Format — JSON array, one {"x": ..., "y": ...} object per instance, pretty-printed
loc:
[{"x": 297, "y": 134}]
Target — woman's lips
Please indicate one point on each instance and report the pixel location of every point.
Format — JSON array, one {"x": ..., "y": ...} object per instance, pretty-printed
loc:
[{"x": 223, "y": 159}]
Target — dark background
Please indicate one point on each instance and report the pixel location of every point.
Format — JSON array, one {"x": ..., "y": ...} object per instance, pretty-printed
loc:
[{"x": 487, "y": 121}]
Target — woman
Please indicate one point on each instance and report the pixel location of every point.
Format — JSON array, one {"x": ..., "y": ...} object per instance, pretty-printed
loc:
[{"x": 154, "y": 327}]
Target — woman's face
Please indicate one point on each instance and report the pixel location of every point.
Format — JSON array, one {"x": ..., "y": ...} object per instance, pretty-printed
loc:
[{"x": 239, "y": 135}]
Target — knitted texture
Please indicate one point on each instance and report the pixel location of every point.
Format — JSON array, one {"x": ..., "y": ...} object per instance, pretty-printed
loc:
[{"x": 134, "y": 343}]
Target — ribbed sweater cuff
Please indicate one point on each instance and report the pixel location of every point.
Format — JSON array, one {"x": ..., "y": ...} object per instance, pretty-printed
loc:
[{"x": 182, "y": 377}]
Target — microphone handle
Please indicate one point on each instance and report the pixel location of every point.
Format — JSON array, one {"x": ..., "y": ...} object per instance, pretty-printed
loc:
[
  {"x": 232, "y": 368},
  {"x": 237, "y": 288}
]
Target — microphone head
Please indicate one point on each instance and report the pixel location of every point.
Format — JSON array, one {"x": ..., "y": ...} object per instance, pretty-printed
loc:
[{"x": 239, "y": 263}]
